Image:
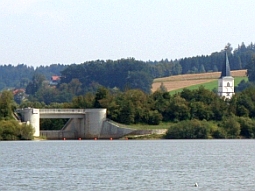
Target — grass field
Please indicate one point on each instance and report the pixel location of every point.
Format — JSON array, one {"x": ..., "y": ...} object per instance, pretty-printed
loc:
[
  {"x": 209, "y": 85},
  {"x": 193, "y": 81},
  {"x": 162, "y": 125}
]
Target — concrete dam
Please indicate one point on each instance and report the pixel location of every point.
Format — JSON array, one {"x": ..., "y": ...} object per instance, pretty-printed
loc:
[{"x": 82, "y": 124}]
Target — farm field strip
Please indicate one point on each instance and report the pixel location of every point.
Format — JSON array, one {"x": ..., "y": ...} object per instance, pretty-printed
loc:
[{"x": 182, "y": 81}]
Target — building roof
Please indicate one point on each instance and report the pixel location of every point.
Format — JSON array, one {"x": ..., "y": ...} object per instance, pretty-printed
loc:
[
  {"x": 225, "y": 68},
  {"x": 16, "y": 91},
  {"x": 55, "y": 78}
]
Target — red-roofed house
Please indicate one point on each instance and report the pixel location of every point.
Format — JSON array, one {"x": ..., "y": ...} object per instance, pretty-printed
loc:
[{"x": 54, "y": 80}]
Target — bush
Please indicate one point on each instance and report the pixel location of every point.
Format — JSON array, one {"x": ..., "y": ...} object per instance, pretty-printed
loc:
[
  {"x": 247, "y": 127},
  {"x": 219, "y": 133},
  {"x": 154, "y": 118},
  {"x": 189, "y": 129},
  {"x": 231, "y": 126},
  {"x": 26, "y": 132},
  {"x": 9, "y": 130},
  {"x": 12, "y": 130}
]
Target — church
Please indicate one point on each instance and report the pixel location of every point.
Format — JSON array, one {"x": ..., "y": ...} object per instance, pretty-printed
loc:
[{"x": 226, "y": 81}]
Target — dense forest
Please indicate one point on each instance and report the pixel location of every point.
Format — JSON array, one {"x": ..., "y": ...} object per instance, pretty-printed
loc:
[
  {"x": 19, "y": 76},
  {"x": 121, "y": 74}
]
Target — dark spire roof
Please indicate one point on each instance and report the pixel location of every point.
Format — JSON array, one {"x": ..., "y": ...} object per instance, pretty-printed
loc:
[{"x": 225, "y": 68}]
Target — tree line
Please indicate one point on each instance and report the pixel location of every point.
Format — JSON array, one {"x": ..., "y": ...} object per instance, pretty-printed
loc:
[
  {"x": 122, "y": 73},
  {"x": 19, "y": 76}
]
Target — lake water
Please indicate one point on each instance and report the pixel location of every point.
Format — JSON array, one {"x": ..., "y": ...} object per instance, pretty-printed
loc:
[{"x": 128, "y": 165}]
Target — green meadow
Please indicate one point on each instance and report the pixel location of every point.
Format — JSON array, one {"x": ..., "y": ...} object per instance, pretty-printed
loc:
[{"x": 209, "y": 85}]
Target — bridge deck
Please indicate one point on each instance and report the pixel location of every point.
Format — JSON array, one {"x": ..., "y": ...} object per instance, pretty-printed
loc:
[{"x": 62, "y": 111}]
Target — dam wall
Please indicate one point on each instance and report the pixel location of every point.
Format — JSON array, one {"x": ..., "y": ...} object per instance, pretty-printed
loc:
[
  {"x": 82, "y": 124},
  {"x": 111, "y": 130}
]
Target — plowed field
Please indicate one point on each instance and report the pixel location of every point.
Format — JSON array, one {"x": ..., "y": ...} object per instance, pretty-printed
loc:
[{"x": 186, "y": 80}]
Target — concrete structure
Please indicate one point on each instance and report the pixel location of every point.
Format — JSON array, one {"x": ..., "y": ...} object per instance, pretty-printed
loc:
[
  {"x": 226, "y": 81},
  {"x": 83, "y": 123},
  {"x": 31, "y": 116}
]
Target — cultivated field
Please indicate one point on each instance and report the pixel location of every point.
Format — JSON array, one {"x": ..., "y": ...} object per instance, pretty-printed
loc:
[{"x": 186, "y": 80}]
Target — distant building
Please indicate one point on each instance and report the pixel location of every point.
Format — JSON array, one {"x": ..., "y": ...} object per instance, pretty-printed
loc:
[
  {"x": 226, "y": 81},
  {"x": 54, "y": 80},
  {"x": 18, "y": 91}
]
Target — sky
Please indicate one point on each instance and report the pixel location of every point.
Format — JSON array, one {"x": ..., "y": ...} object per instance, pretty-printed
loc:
[{"x": 45, "y": 32}]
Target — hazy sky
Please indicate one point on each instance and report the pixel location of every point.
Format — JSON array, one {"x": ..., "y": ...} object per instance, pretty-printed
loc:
[{"x": 44, "y": 32}]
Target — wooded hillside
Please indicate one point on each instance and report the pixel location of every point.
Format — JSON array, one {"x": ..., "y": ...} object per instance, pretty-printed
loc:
[{"x": 122, "y": 74}]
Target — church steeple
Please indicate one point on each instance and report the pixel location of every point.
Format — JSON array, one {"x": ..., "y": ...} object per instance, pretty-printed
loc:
[
  {"x": 225, "y": 67},
  {"x": 226, "y": 81}
]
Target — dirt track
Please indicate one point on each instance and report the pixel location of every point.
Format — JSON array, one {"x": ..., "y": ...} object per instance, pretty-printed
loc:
[{"x": 186, "y": 80}]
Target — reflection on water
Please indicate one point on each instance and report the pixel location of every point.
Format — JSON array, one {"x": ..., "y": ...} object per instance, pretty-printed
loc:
[{"x": 128, "y": 165}]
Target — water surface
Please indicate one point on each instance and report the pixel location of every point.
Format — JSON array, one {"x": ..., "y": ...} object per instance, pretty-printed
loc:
[{"x": 128, "y": 165}]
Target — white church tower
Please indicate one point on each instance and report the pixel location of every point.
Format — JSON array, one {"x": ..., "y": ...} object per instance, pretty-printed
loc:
[{"x": 226, "y": 81}]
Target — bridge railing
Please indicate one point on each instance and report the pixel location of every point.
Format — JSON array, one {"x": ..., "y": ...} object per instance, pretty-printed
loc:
[{"x": 62, "y": 110}]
